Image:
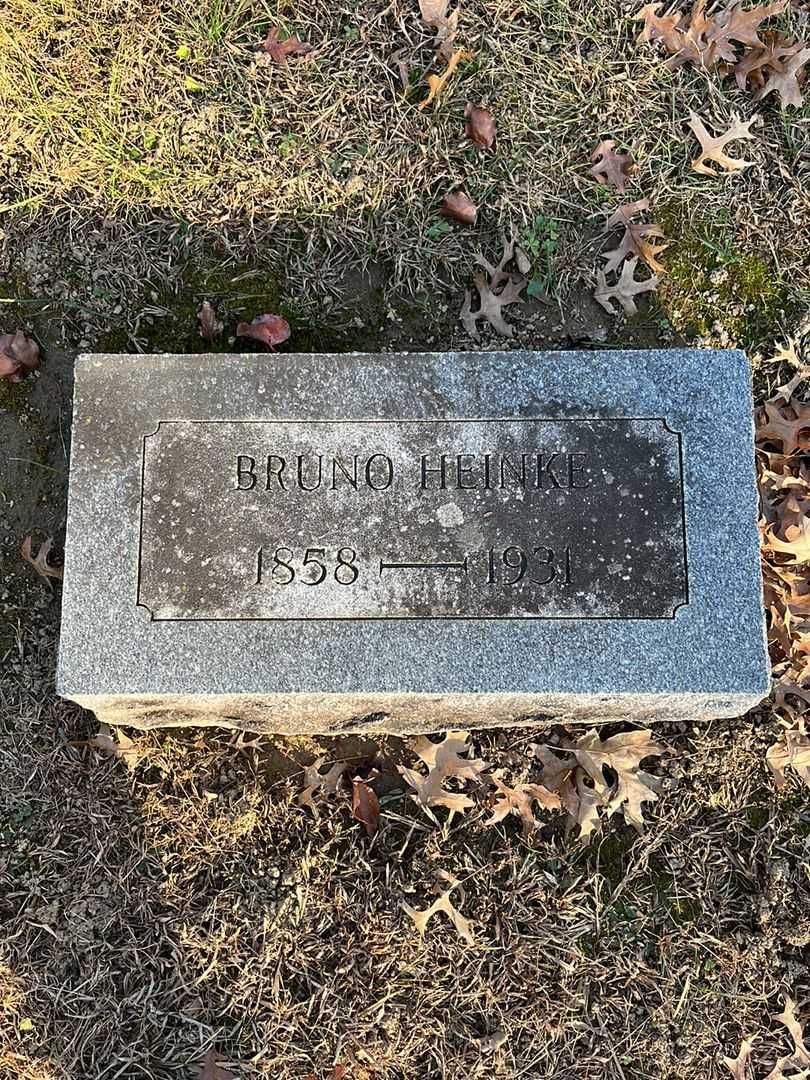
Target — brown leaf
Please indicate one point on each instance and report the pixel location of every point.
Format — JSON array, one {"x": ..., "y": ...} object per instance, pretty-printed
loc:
[
  {"x": 322, "y": 784},
  {"x": 756, "y": 63},
  {"x": 733, "y": 24},
  {"x": 622, "y": 754},
  {"x": 210, "y": 325},
  {"x": 739, "y": 1065},
  {"x": 460, "y": 207},
  {"x": 480, "y": 126},
  {"x": 625, "y": 290},
  {"x": 792, "y": 749},
  {"x": 40, "y": 560},
  {"x": 712, "y": 147},
  {"x": 434, "y": 13},
  {"x": 444, "y": 762},
  {"x": 210, "y": 1070},
  {"x": 636, "y": 240},
  {"x": 787, "y": 80},
  {"x": 365, "y": 806},
  {"x": 518, "y": 800},
  {"x": 503, "y": 288},
  {"x": 19, "y": 356},
  {"x": 118, "y": 746},
  {"x": 422, "y": 918},
  {"x": 280, "y": 50},
  {"x": 661, "y": 27},
  {"x": 609, "y": 167},
  {"x": 269, "y": 329},
  {"x": 437, "y": 83}
]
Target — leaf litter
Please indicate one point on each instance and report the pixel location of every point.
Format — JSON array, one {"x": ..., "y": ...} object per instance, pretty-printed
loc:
[
  {"x": 797, "y": 1058},
  {"x": 445, "y": 761},
  {"x": 773, "y": 61},
  {"x": 783, "y": 439}
]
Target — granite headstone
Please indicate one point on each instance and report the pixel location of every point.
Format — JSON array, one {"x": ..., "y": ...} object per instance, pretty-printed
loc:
[{"x": 306, "y": 543}]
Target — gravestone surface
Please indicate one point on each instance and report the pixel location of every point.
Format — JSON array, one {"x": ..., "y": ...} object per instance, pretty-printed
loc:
[{"x": 304, "y": 543}]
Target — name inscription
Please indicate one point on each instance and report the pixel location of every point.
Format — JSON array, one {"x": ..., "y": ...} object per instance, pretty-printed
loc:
[{"x": 373, "y": 519}]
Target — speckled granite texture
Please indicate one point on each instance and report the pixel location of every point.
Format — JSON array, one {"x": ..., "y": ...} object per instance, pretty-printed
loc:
[{"x": 168, "y": 619}]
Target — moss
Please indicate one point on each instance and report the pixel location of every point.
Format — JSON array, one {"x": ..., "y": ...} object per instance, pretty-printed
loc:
[{"x": 715, "y": 289}]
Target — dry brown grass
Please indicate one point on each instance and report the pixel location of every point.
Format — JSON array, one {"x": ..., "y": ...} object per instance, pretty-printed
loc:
[{"x": 334, "y": 168}]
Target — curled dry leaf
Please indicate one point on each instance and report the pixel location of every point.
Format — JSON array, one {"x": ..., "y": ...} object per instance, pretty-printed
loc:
[
  {"x": 116, "y": 745},
  {"x": 757, "y": 64},
  {"x": 19, "y": 356},
  {"x": 269, "y": 329},
  {"x": 519, "y": 800},
  {"x": 210, "y": 326},
  {"x": 503, "y": 288},
  {"x": 792, "y": 749},
  {"x": 576, "y": 771},
  {"x": 610, "y": 168},
  {"x": 444, "y": 762},
  {"x": 638, "y": 239},
  {"x": 434, "y": 13},
  {"x": 712, "y": 147},
  {"x": 365, "y": 806},
  {"x": 625, "y": 290},
  {"x": 787, "y": 79},
  {"x": 40, "y": 560},
  {"x": 280, "y": 50},
  {"x": 437, "y": 83},
  {"x": 320, "y": 784},
  {"x": 422, "y": 918},
  {"x": 479, "y": 126},
  {"x": 739, "y": 1065},
  {"x": 459, "y": 206},
  {"x": 212, "y": 1070},
  {"x": 797, "y": 1059}
]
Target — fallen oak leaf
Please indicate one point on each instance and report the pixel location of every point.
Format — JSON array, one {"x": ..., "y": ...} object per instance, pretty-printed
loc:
[
  {"x": 776, "y": 49},
  {"x": 739, "y": 1065},
  {"x": 458, "y": 206},
  {"x": 40, "y": 560},
  {"x": 786, "y": 82},
  {"x": 437, "y": 83},
  {"x": 316, "y": 782},
  {"x": 210, "y": 326},
  {"x": 365, "y": 806},
  {"x": 280, "y": 50},
  {"x": 663, "y": 28},
  {"x": 269, "y": 329},
  {"x": 712, "y": 147},
  {"x": 444, "y": 761},
  {"x": 733, "y": 24},
  {"x": 19, "y": 356},
  {"x": 491, "y": 306},
  {"x": 792, "y": 749},
  {"x": 610, "y": 168},
  {"x": 443, "y": 903},
  {"x": 625, "y": 290},
  {"x": 622, "y": 754},
  {"x": 479, "y": 126},
  {"x": 636, "y": 240},
  {"x": 434, "y": 14},
  {"x": 211, "y": 1070},
  {"x": 518, "y": 800}
]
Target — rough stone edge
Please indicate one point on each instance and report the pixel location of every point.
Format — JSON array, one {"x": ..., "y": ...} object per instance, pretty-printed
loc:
[{"x": 405, "y": 714}]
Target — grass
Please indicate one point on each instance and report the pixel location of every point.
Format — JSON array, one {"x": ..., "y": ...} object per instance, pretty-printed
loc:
[{"x": 334, "y": 165}]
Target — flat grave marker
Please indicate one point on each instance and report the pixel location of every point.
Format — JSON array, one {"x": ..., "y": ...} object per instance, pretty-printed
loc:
[{"x": 303, "y": 543}]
